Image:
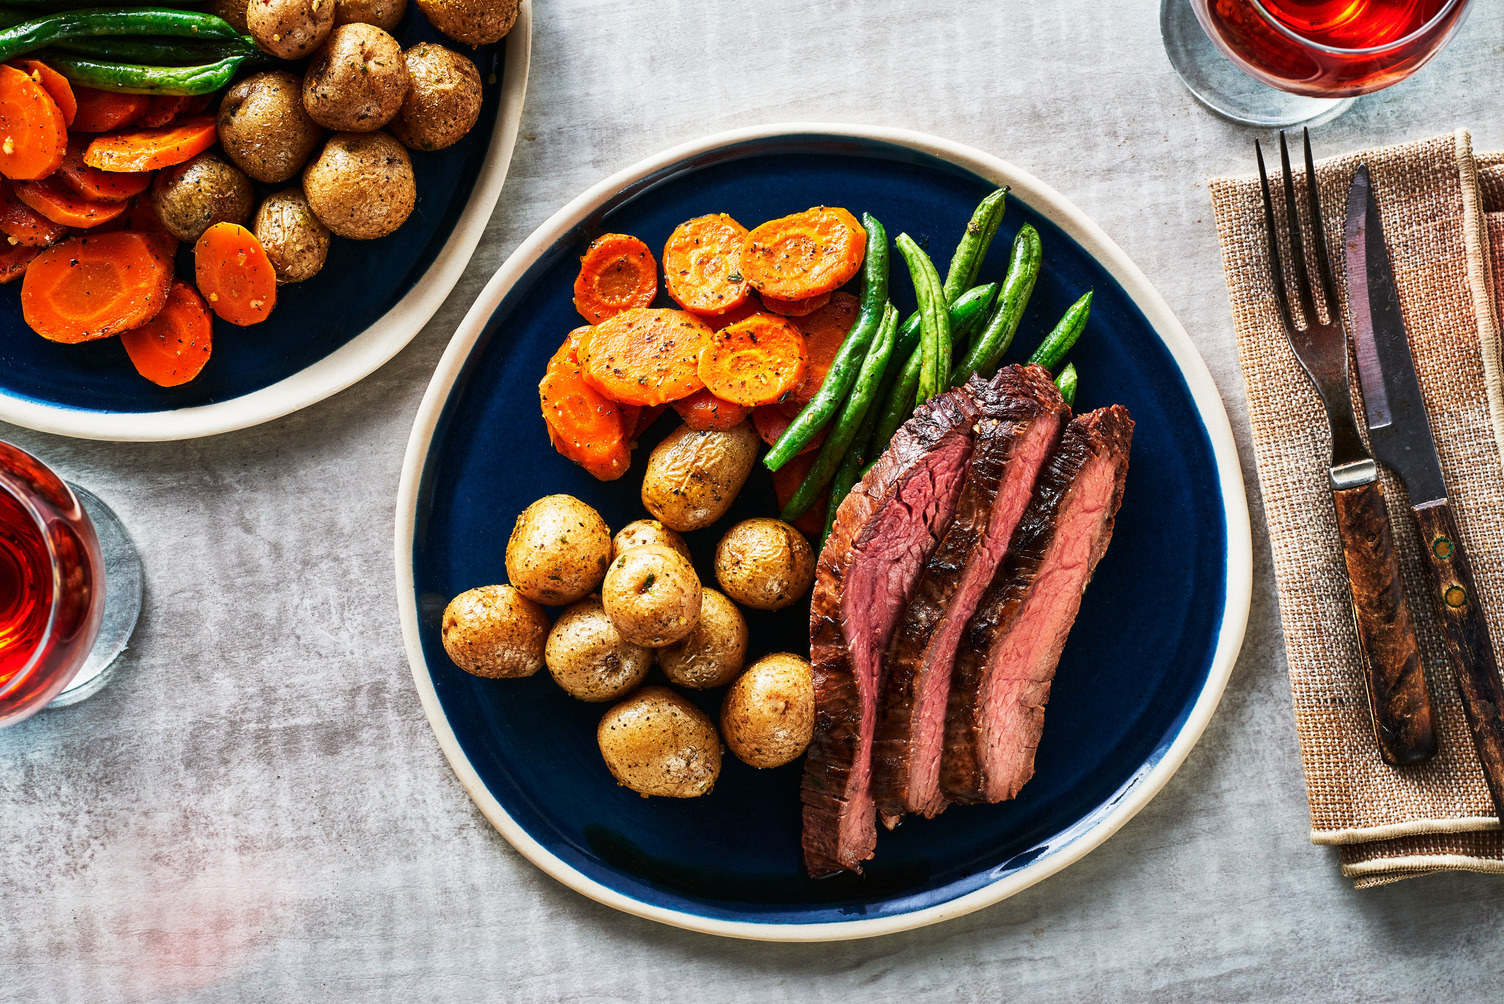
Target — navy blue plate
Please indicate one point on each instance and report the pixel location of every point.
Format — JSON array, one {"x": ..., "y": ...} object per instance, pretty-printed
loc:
[
  {"x": 1142, "y": 671},
  {"x": 369, "y": 300}
]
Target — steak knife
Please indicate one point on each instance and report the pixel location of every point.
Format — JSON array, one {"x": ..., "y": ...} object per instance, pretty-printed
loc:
[{"x": 1399, "y": 430}]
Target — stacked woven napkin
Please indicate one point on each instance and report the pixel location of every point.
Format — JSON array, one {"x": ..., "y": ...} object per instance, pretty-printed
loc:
[{"x": 1389, "y": 822}]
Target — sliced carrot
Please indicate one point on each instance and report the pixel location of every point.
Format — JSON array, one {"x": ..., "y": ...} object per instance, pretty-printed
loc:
[
  {"x": 645, "y": 418},
  {"x": 583, "y": 426},
  {"x": 152, "y": 149},
  {"x": 617, "y": 273},
  {"x": 795, "y": 308},
  {"x": 234, "y": 274},
  {"x": 33, "y": 135},
  {"x": 161, "y": 109},
  {"x": 55, "y": 84},
  {"x": 24, "y": 226},
  {"x": 824, "y": 331},
  {"x": 786, "y": 481},
  {"x": 755, "y": 361},
  {"x": 92, "y": 183},
  {"x": 806, "y": 254},
  {"x": 172, "y": 348},
  {"x": 703, "y": 411},
  {"x": 771, "y": 421},
  {"x": 141, "y": 217},
  {"x": 748, "y": 307},
  {"x": 13, "y": 261},
  {"x": 101, "y": 111},
  {"x": 63, "y": 205},
  {"x": 95, "y": 286},
  {"x": 700, "y": 269},
  {"x": 645, "y": 355}
]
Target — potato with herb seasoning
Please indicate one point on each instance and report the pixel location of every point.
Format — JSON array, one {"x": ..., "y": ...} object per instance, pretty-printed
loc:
[
  {"x": 590, "y": 659},
  {"x": 293, "y": 238},
  {"x": 646, "y": 531},
  {"x": 361, "y": 186},
  {"x": 558, "y": 551},
  {"x": 496, "y": 632},
  {"x": 768, "y": 714},
  {"x": 357, "y": 81},
  {"x": 384, "y": 14},
  {"x": 443, "y": 98},
  {"x": 652, "y": 595},
  {"x": 193, "y": 196},
  {"x": 693, "y": 477},
  {"x": 264, "y": 128},
  {"x": 764, "y": 563},
  {"x": 289, "y": 29},
  {"x": 657, "y": 743},
  {"x": 474, "y": 22},
  {"x": 713, "y": 653}
]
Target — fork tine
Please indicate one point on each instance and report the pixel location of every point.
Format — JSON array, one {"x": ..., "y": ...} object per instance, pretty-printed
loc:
[
  {"x": 1297, "y": 242},
  {"x": 1318, "y": 235},
  {"x": 1276, "y": 268}
]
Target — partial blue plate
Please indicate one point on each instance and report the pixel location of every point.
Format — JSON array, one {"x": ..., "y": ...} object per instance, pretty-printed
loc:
[
  {"x": 1143, "y": 670},
  {"x": 369, "y": 301}
]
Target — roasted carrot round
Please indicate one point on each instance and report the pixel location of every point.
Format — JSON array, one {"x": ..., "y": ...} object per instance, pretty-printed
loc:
[
  {"x": 96, "y": 286},
  {"x": 755, "y": 361},
  {"x": 33, "y": 135},
  {"x": 703, "y": 411},
  {"x": 64, "y": 206},
  {"x": 55, "y": 84},
  {"x": 234, "y": 274},
  {"x": 583, "y": 425},
  {"x": 92, "y": 183},
  {"x": 794, "y": 308},
  {"x": 617, "y": 273},
  {"x": 645, "y": 355},
  {"x": 101, "y": 111},
  {"x": 771, "y": 421},
  {"x": 172, "y": 348},
  {"x": 824, "y": 331},
  {"x": 24, "y": 226},
  {"x": 151, "y": 149},
  {"x": 13, "y": 261},
  {"x": 800, "y": 256},
  {"x": 162, "y": 109},
  {"x": 700, "y": 268},
  {"x": 748, "y": 307}
]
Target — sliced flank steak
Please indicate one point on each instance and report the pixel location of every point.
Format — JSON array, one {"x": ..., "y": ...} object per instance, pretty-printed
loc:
[
  {"x": 1022, "y": 415},
  {"x": 1012, "y": 644},
  {"x": 884, "y": 531}
]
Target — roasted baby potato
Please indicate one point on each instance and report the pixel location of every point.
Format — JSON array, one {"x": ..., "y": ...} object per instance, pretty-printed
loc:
[
  {"x": 357, "y": 81},
  {"x": 443, "y": 98},
  {"x": 589, "y": 658},
  {"x": 652, "y": 595},
  {"x": 264, "y": 128},
  {"x": 657, "y": 743},
  {"x": 693, "y": 477},
  {"x": 294, "y": 239},
  {"x": 558, "y": 551},
  {"x": 764, "y": 563},
  {"x": 768, "y": 714},
  {"x": 713, "y": 653},
  {"x": 361, "y": 186},
  {"x": 474, "y": 22},
  {"x": 289, "y": 29},
  {"x": 495, "y": 631},
  {"x": 646, "y": 531},
  {"x": 193, "y": 196},
  {"x": 384, "y": 14}
]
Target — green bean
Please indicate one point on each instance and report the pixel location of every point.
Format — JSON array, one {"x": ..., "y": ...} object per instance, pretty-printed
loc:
[
  {"x": 26, "y": 36},
  {"x": 1067, "y": 383},
  {"x": 848, "y": 361},
  {"x": 125, "y": 78},
  {"x": 1052, "y": 351},
  {"x": 1023, "y": 269},
  {"x": 899, "y": 404},
  {"x": 963, "y": 328},
  {"x": 849, "y": 472},
  {"x": 970, "y": 307},
  {"x": 838, "y": 440},
  {"x": 967, "y": 261},
  {"x": 934, "y": 316},
  {"x": 154, "y": 51}
]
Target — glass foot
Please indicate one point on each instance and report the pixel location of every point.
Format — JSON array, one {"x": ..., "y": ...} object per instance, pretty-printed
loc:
[
  {"x": 122, "y": 601},
  {"x": 1229, "y": 92}
]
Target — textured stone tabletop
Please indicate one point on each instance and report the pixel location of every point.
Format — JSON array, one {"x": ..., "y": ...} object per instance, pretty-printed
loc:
[{"x": 255, "y": 809}]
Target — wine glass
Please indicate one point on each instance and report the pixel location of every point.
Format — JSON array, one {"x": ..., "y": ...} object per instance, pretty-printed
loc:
[
  {"x": 1279, "y": 63},
  {"x": 70, "y": 588}
]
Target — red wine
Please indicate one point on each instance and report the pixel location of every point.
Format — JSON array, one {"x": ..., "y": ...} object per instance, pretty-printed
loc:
[
  {"x": 25, "y": 588},
  {"x": 1330, "y": 48}
]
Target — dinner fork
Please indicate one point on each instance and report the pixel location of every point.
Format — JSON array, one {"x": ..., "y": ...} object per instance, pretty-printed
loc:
[{"x": 1398, "y": 701}]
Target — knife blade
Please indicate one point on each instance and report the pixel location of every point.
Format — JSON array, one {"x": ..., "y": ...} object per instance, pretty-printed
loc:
[{"x": 1399, "y": 430}]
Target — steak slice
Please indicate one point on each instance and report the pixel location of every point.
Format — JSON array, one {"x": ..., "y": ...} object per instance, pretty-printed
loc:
[
  {"x": 884, "y": 531},
  {"x": 1021, "y": 418},
  {"x": 1012, "y": 643}
]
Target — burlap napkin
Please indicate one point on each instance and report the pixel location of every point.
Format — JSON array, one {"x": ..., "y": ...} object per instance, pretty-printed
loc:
[{"x": 1391, "y": 823}]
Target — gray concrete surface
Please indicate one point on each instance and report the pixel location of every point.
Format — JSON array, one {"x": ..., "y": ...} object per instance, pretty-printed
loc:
[{"x": 256, "y": 810}]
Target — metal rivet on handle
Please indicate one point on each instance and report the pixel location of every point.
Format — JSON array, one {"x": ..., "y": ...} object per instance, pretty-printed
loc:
[
  {"x": 1442, "y": 548},
  {"x": 1455, "y": 596}
]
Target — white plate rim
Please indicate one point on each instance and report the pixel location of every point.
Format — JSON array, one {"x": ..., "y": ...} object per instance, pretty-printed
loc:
[
  {"x": 360, "y": 356},
  {"x": 1042, "y": 199}
]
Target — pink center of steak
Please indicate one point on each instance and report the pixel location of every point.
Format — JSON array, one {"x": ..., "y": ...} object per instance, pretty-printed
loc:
[
  {"x": 934, "y": 684},
  {"x": 879, "y": 584},
  {"x": 1022, "y": 663}
]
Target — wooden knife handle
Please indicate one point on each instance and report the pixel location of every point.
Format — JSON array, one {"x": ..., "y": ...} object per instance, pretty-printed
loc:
[
  {"x": 1403, "y": 724},
  {"x": 1470, "y": 650}
]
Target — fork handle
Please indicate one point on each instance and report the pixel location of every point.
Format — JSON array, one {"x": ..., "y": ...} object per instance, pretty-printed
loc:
[{"x": 1403, "y": 724}]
